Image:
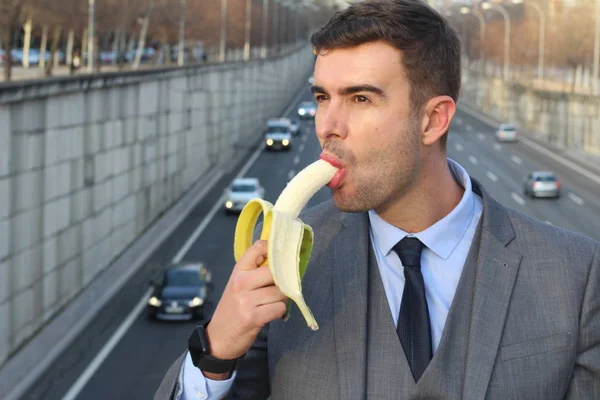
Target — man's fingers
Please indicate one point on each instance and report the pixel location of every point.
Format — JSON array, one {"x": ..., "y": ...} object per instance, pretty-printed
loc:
[
  {"x": 271, "y": 312},
  {"x": 253, "y": 257},
  {"x": 257, "y": 278},
  {"x": 266, "y": 295}
]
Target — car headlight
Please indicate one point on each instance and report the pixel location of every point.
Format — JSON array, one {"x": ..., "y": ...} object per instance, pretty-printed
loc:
[
  {"x": 285, "y": 142},
  {"x": 195, "y": 302},
  {"x": 269, "y": 142},
  {"x": 301, "y": 111},
  {"x": 228, "y": 204},
  {"x": 154, "y": 301}
]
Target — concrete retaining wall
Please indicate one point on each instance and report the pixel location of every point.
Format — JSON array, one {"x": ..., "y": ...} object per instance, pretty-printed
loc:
[
  {"x": 88, "y": 163},
  {"x": 567, "y": 120}
]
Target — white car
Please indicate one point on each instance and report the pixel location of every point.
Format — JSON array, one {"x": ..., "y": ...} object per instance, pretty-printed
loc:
[
  {"x": 278, "y": 134},
  {"x": 240, "y": 192},
  {"x": 507, "y": 133}
]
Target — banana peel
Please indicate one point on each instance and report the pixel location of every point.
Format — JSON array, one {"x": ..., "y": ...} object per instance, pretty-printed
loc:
[{"x": 289, "y": 240}]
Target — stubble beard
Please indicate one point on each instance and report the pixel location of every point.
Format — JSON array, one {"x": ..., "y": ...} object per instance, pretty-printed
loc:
[{"x": 388, "y": 173}]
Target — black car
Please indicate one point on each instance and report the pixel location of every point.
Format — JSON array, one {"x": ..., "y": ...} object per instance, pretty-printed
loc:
[{"x": 180, "y": 293}]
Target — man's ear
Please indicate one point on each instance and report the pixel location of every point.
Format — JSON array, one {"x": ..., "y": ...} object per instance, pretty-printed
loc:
[{"x": 437, "y": 115}]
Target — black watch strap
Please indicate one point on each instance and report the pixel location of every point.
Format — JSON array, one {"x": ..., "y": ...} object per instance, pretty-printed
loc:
[
  {"x": 199, "y": 349},
  {"x": 208, "y": 363}
]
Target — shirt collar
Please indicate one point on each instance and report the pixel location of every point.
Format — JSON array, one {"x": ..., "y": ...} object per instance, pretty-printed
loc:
[{"x": 443, "y": 236}]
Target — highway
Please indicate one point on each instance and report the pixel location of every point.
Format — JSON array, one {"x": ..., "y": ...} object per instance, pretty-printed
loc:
[{"x": 134, "y": 367}]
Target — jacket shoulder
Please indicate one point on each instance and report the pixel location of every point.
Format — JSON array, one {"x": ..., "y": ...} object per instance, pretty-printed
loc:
[{"x": 552, "y": 247}]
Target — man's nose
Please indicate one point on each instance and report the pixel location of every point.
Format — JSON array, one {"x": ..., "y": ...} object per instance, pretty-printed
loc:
[{"x": 331, "y": 121}]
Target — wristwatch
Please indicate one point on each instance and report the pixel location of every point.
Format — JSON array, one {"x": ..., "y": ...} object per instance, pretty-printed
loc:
[{"x": 200, "y": 352}]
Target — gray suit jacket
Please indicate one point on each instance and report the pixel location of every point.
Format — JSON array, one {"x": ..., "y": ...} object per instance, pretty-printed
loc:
[{"x": 534, "y": 330}]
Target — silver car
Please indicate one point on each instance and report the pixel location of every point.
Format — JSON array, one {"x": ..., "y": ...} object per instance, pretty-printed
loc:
[
  {"x": 240, "y": 192},
  {"x": 541, "y": 184},
  {"x": 507, "y": 133}
]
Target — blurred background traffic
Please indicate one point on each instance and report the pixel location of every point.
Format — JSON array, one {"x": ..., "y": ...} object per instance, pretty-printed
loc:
[{"x": 122, "y": 173}]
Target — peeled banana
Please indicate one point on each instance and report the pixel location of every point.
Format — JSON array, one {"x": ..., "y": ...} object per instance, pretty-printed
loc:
[{"x": 289, "y": 240}]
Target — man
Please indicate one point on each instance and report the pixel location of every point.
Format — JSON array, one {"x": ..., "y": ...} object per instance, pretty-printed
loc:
[{"x": 423, "y": 286}]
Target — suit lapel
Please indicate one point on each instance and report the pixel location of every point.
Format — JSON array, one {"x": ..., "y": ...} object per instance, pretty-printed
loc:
[
  {"x": 350, "y": 279},
  {"x": 495, "y": 274}
]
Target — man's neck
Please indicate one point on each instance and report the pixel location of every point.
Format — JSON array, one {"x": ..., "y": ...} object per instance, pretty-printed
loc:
[{"x": 433, "y": 195}]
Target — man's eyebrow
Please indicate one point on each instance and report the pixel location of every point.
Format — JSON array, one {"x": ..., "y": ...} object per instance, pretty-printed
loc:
[
  {"x": 317, "y": 89},
  {"x": 362, "y": 88},
  {"x": 352, "y": 89}
]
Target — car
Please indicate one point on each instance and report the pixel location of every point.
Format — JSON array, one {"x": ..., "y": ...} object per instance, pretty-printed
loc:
[
  {"x": 295, "y": 127},
  {"x": 507, "y": 133},
  {"x": 307, "y": 110},
  {"x": 541, "y": 184},
  {"x": 240, "y": 192},
  {"x": 278, "y": 134},
  {"x": 180, "y": 292}
]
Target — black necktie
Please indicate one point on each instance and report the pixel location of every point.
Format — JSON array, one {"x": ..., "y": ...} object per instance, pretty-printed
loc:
[{"x": 413, "y": 323}]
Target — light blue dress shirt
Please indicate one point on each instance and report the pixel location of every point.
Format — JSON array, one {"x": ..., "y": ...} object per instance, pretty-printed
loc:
[{"x": 447, "y": 245}]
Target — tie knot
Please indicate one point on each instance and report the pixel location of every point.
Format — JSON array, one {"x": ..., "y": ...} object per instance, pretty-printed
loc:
[{"x": 409, "y": 250}]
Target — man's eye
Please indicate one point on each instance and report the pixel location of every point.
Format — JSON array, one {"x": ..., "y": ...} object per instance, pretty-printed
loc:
[
  {"x": 361, "y": 99},
  {"x": 320, "y": 97}
]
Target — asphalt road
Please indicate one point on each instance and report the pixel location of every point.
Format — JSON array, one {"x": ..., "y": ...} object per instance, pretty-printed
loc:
[{"x": 136, "y": 365}]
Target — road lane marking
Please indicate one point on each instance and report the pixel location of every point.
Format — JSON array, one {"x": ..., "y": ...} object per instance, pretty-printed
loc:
[
  {"x": 535, "y": 146},
  {"x": 107, "y": 348},
  {"x": 492, "y": 176},
  {"x": 198, "y": 231},
  {"x": 516, "y": 159},
  {"x": 481, "y": 136},
  {"x": 296, "y": 160},
  {"x": 517, "y": 198},
  {"x": 301, "y": 148},
  {"x": 291, "y": 174},
  {"x": 473, "y": 160},
  {"x": 469, "y": 128},
  {"x": 497, "y": 147},
  {"x": 576, "y": 198},
  {"x": 458, "y": 121},
  {"x": 458, "y": 146},
  {"x": 91, "y": 369}
]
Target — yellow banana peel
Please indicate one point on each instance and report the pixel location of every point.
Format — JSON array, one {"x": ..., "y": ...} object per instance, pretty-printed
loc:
[{"x": 289, "y": 240}]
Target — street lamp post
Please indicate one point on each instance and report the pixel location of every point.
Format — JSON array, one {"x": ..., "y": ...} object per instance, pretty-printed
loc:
[
  {"x": 541, "y": 35},
  {"x": 91, "y": 35},
  {"x": 248, "y": 22},
  {"x": 275, "y": 25},
  {"x": 181, "y": 49},
  {"x": 292, "y": 11},
  {"x": 223, "y": 30},
  {"x": 487, "y": 6},
  {"x": 482, "y": 26},
  {"x": 265, "y": 21},
  {"x": 596, "y": 47}
]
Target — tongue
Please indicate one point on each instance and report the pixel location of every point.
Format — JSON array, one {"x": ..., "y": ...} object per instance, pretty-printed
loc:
[{"x": 336, "y": 180}]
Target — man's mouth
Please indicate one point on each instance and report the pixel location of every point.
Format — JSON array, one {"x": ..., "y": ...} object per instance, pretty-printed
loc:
[{"x": 339, "y": 175}]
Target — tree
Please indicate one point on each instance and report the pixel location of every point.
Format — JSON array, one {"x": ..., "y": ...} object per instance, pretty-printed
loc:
[{"x": 11, "y": 18}]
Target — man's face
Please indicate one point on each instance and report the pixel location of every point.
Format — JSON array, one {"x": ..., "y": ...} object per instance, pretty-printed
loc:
[{"x": 365, "y": 121}]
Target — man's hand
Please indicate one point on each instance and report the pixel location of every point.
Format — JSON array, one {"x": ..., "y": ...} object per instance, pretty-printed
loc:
[{"x": 250, "y": 301}]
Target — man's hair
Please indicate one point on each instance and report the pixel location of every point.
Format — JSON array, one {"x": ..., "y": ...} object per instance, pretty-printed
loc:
[{"x": 430, "y": 47}]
